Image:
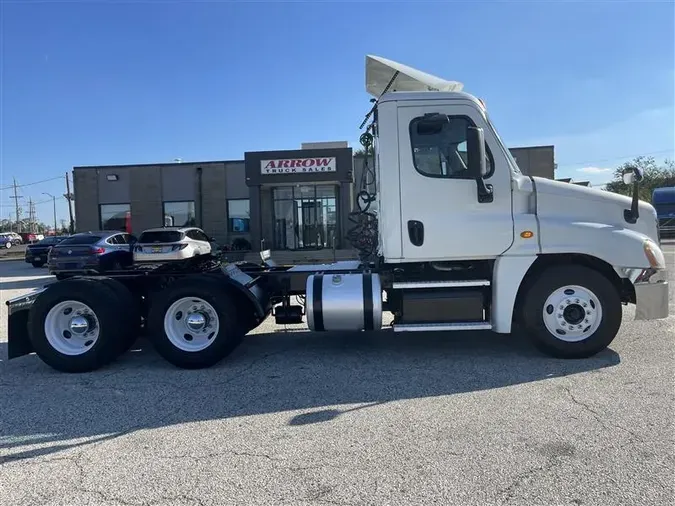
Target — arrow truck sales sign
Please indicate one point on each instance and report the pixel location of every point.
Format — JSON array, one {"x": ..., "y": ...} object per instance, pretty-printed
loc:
[{"x": 297, "y": 165}]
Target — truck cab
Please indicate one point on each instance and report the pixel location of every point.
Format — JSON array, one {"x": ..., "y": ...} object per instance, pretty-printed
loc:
[{"x": 450, "y": 194}]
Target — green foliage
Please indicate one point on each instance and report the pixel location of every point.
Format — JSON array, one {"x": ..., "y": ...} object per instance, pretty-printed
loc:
[{"x": 654, "y": 176}]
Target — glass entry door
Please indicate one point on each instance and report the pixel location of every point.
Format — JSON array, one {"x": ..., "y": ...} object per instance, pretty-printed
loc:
[{"x": 305, "y": 217}]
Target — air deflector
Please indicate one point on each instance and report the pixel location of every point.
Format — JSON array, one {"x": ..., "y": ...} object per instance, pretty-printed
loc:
[{"x": 379, "y": 72}]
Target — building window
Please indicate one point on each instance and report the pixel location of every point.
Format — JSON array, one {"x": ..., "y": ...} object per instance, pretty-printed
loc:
[
  {"x": 179, "y": 214},
  {"x": 115, "y": 217},
  {"x": 239, "y": 216},
  {"x": 439, "y": 148},
  {"x": 305, "y": 217}
]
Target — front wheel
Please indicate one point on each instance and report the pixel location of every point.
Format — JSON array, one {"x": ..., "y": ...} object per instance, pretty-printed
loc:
[
  {"x": 571, "y": 311},
  {"x": 37, "y": 265},
  {"x": 193, "y": 324},
  {"x": 8, "y": 244}
]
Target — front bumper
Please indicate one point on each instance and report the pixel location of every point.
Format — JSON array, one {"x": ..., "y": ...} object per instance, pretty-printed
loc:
[{"x": 651, "y": 295}]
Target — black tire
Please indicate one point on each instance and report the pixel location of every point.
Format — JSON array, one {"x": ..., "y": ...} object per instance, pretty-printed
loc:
[
  {"x": 555, "y": 278},
  {"x": 212, "y": 290},
  {"x": 129, "y": 311},
  {"x": 61, "y": 277},
  {"x": 98, "y": 297},
  {"x": 37, "y": 265}
]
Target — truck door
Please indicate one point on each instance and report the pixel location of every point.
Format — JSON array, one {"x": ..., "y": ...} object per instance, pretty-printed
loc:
[{"x": 441, "y": 216}]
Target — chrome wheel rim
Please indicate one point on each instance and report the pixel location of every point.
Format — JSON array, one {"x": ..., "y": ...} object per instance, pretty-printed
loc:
[
  {"x": 191, "y": 324},
  {"x": 71, "y": 327},
  {"x": 572, "y": 313}
]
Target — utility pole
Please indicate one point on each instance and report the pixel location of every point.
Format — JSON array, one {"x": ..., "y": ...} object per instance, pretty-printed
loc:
[
  {"x": 16, "y": 198},
  {"x": 69, "y": 197},
  {"x": 30, "y": 215},
  {"x": 33, "y": 217},
  {"x": 54, "y": 202}
]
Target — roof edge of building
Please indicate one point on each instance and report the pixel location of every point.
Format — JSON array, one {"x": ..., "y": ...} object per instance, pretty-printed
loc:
[{"x": 161, "y": 164}]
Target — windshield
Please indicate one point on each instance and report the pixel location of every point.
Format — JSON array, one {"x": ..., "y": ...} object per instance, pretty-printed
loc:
[
  {"x": 160, "y": 236},
  {"x": 512, "y": 162},
  {"x": 51, "y": 240},
  {"x": 81, "y": 239}
]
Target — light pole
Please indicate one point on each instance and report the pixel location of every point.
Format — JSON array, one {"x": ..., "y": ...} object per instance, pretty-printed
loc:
[{"x": 54, "y": 202}]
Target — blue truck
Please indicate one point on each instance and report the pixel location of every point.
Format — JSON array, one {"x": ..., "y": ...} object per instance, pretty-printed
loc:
[{"x": 663, "y": 200}]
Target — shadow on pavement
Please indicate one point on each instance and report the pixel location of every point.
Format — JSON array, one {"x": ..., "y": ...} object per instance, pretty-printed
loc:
[{"x": 45, "y": 411}]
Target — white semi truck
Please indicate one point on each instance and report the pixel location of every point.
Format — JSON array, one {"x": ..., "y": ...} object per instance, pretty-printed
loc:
[{"x": 451, "y": 237}]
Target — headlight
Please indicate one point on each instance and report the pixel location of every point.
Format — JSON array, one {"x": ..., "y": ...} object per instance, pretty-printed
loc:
[{"x": 654, "y": 255}]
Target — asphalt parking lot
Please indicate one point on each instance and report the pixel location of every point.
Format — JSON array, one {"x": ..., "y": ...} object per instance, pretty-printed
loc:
[{"x": 345, "y": 419}]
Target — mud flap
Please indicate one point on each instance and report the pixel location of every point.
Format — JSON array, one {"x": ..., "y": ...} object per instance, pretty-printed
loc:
[{"x": 18, "y": 343}]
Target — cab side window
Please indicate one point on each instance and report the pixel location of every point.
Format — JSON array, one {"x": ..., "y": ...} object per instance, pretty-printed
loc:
[{"x": 439, "y": 146}]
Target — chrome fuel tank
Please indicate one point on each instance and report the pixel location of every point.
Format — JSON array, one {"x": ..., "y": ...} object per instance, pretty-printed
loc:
[{"x": 344, "y": 301}]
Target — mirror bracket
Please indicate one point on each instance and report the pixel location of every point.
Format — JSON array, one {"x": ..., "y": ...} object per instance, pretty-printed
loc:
[{"x": 484, "y": 191}]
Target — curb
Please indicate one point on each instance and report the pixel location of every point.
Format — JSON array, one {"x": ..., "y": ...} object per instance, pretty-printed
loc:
[{"x": 9, "y": 258}]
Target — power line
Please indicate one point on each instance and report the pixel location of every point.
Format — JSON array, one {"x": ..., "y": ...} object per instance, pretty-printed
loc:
[
  {"x": 11, "y": 187},
  {"x": 34, "y": 203}
]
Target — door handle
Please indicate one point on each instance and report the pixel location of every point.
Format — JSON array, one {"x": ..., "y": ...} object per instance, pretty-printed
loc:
[{"x": 416, "y": 232}]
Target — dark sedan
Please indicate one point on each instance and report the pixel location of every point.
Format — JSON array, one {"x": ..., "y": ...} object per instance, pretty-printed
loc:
[
  {"x": 36, "y": 254},
  {"x": 91, "y": 252}
]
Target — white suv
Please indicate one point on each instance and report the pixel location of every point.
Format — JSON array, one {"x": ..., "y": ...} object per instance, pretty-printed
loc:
[{"x": 171, "y": 243}]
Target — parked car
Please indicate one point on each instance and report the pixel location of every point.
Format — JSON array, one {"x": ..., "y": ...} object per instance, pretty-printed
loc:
[
  {"x": 171, "y": 243},
  {"x": 29, "y": 237},
  {"x": 36, "y": 254},
  {"x": 9, "y": 239},
  {"x": 91, "y": 251}
]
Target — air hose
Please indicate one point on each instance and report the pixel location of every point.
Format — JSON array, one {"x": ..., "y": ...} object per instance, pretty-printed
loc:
[{"x": 363, "y": 235}]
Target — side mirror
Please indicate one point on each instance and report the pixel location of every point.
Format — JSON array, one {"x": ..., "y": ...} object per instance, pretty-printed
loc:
[
  {"x": 632, "y": 175},
  {"x": 476, "y": 162}
]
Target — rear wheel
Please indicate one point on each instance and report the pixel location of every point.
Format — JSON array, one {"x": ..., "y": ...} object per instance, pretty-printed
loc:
[
  {"x": 193, "y": 323},
  {"x": 74, "y": 327},
  {"x": 8, "y": 244},
  {"x": 37, "y": 265},
  {"x": 572, "y": 312}
]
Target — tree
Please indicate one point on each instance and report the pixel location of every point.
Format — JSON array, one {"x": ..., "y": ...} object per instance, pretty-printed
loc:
[{"x": 653, "y": 176}]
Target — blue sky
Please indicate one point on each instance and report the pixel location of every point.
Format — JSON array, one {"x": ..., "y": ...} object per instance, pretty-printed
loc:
[{"x": 111, "y": 82}]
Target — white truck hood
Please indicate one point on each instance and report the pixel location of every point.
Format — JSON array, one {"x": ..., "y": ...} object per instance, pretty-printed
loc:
[{"x": 580, "y": 203}]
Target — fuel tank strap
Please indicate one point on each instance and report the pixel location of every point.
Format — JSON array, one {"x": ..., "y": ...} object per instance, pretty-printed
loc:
[
  {"x": 317, "y": 289},
  {"x": 368, "y": 320}
]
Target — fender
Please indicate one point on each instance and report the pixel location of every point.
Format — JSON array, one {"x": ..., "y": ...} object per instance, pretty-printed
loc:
[
  {"x": 248, "y": 287},
  {"x": 618, "y": 247}
]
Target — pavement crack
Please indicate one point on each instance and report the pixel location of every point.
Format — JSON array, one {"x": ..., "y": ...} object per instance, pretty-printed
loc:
[
  {"x": 211, "y": 455},
  {"x": 521, "y": 478},
  {"x": 106, "y": 497},
  {"x": 598, "y": 417}
]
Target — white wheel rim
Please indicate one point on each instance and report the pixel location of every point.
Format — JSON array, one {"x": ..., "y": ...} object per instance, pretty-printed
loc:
[
  {"x": 8, "y": 245},
  {"x": 71, "y": 327},
  {"x": 191, "y": 324},
  {"x": 572, "y": 313}
]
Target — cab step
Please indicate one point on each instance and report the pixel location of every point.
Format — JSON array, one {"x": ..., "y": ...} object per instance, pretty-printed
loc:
[
  {"x": 460, "y": 283},
  {"x": 427, "y": 327}
]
